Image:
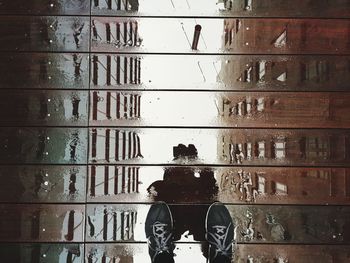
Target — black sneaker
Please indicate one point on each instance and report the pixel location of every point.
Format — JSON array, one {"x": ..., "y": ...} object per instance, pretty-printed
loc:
[
  {"x": 159, "y": 231},
  {"x": 219, "y": 233}
]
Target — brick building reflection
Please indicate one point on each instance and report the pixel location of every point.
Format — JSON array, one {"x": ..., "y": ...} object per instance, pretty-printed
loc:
[
  {"x": 276, "y": 185},
  {"x": 284, "y": 36},
  {"x": 243, "y": 148}
]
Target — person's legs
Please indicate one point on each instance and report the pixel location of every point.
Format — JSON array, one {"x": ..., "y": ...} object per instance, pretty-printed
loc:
[
  {"x": 159, "y": 232},
  {"x": 219, "y": 233}
]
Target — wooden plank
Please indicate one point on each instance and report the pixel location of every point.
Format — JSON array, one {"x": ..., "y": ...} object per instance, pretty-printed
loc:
[
  {"x": 31, "y": 252},
  {"x": 177, "y": 184},
  {"x": 27, "y": 33},
  {"x": 38, "y": 108},
  {"x": 219, "y": 109},
  {"x": 44, "y": 71},
  {"x": 260, "y": 224},
  {"x": 42, "y": 223},
  {"x": 244, "y": 253},
  {"x": 247, "y": 147},
  {"x": 43, "y": 145},
  {"x": 243, "y": 36},
  {"x": 224, "y": 72},
  {"x": 62, "y": 184},
  {"x": 212, "y": 8},
  {"x": 43, "y": 7}
]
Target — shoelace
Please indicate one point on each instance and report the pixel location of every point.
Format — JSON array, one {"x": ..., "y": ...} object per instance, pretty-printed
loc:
[
  {"x": 161, "y": 237},
  {"x": 219, "y": 241}
]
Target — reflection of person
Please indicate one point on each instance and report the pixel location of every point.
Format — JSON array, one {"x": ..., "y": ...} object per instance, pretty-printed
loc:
[
  {"x": 183, "y": 185},
  {"x": 159, "y": 230}
]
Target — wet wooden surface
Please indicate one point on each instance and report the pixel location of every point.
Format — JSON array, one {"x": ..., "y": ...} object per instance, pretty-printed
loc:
[
  {"x": 219, "y": 109},
  {"x": 260, "y": 185},
  {"x": 258, "y": 224},
  {"x": 136, "y": 252},
  {"x": 44, "y": 71},
  {"x": 43, "y": 145},
  {"x": 44, "y": 33},
  {"x": 42, "y": 184},
  {"x": 103, "y": 115},
  {"x": 43, "y": 108},
  {"x": 212, "y": 8},
  {"x": 45, "y": 223},
  {"x": 285, "y": 36},
  {"x": 244, "y": 253},
  {"x": 220, "y": 72},
  {"x": 277, "y": 147},
  {"x": 44, "y": 7}
]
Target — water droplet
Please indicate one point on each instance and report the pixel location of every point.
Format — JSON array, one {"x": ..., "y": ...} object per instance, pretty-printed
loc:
[
  {"x": 50, "y": 40},
  {"x": 48, "y": 100},
  {"x": 51, "y": 5},
  {"x": 247, "y": 28},
  {"x": 48, "y": 114},
  {"x": 46, "y": 183},
  {"x": 49, "y": 77},
  {"x": 44, "y": 229},
  {"x": 46, "y": 153},
  {"x": 47, "y": 138},
  {"x": 46, "y": 174},
  {"x": 44, "y": 255},
  {"x": 246, "y": 43}
]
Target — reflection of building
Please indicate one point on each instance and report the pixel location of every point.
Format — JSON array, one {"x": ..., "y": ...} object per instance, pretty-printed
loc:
[
  {"x": 242, "y": 146},
  {"x": 295, "y": 73},
  {"x": 113, "y": 180},
  {"x": 112, "y": 70},
  {"x": 120, "y": 33},
  {"x": 294, "y": 185},
  {"x": 285, "y": 35},
  {"x": 272, "y": 109},
  {"x": 111, "y": 224},
  {"x": 111, "y": 105},
  {"x": 117, "y": 5},
  {"x": 108, "y": 145},
  {"x": 278, "y": 7}
]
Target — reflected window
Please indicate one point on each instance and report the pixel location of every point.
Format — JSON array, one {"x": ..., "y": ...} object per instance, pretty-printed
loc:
[
  {"x": 248, "y": 74},
  {"x": 282, "y": 77},
  {"x": 261, "y": 184},
  {"x": 261, "y": 149},
  {"x": 315, "y": 71},
  {"x": 280, "y": 150},
  {"x": 261, "y": 104},
  {"x": 317, "y": 147},
  {"x": 249, "y": 150},
  {"x": 321, "y": 174},
  {"x": 281, "y": 40},
  {"x": 261, "y": 70},
  {"x": 281, "y": 189}
]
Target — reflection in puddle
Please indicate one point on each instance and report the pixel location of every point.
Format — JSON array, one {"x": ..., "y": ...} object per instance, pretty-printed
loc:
[{"x": 184, "y": 184}]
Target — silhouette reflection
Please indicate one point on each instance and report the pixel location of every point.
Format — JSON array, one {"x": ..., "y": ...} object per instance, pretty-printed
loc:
[{"x": 186, "y": 184}]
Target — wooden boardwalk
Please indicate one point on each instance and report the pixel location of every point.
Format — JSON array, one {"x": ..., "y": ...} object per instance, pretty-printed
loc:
[{"x": 105, "y": 108}]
